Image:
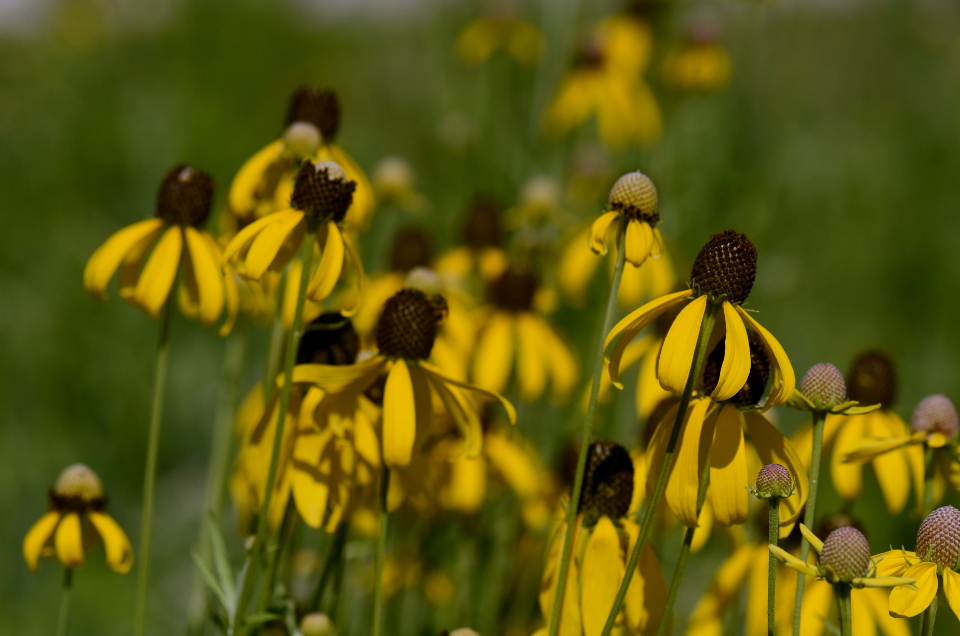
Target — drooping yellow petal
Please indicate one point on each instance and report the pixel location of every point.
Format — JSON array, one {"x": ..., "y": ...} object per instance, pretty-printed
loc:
[
  {"x": 628, "y": 328},
  {"x": 37, "y": 538},
  {"x": 268, "y": 250},
  {"x": 115, "y": 542},
  {"x": 707, "y": 616},
  {"x": 531, "y": 358},
  {"x": 576, "y": 267},
  {"x": 69, "y": 541},
  {"x": 311, "y": 491},
  {"x": 784, "y": 379},
  {"x": 773, "y": 448},
  {"x": 158, "y": 274},
  {"x": 736, "y": 358},
  {"x": 756, "y": 618},
  {"x": 334, "y": 378},
  {"x": 243, "y": 188},
  {"x": 466, "y": 487},
  {"x": 892, "y": 469},
  {"x": 792, "y": 561},
  {"x": 846, "y": 476},
  {"x": 818, "y": 602},
  {"x": 330, "y": 266},
  {"x": 951, "y": 588},
  {"x": 517, "y": 467},
  {"x": 209, "y": 279},
  {"x": 728, "y": 469},
  {"x": 876, "y": 602},
  {"x": 894, "y": 562},
  {"x": 676, "y": 356},
  {"x": 870, "y": 449},
  {"x": 681, "y": 493},
  {"x": 353, "y": 256},
  {"x": 399, "y": 416},
  {"x": 599, "y": 230},
  {"x": 649, "y": 392},
  {"x": 656, "y": 451},
  {"x": 602, "y": 571},
  {"x": 883, "y": 581},
  {"x": 242, "y": 239},
  {"x": 570, "y": 624},
  {"x": 561, "y": 362},
  {"x": 107, "y": 258},
  {"x": 905, "y": 602},
  {"x": 508, "y": 407},
  {"x": 462, "y": 413},
  {"x": 494, "y": 357},
  {"x": 637, "y": 242},
  {"x": 811, "y": 538}
]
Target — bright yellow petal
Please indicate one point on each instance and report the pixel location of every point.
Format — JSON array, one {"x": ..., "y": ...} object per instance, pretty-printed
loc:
[
  {"x": 399, "y": 416},
  {"x": 877, "y": 601},
  {"x": 37, "y": 538},
  {"x": 905, "y": 602},
  {"x": 158, "y": 275},
  {"x": 69, "y": 541},
  {"x": 847, "y": 477},
  {"x": 462, "y": 413},
  {"x": 334, "y": 378},
  {"x": 311, "y": 491},
  {"x": 637, "y": 242},
  {"x": 107, "y": 258},
  {"x": 773, "y": 448},
  {"x": 628, "y": 329},
  {"x": 507, "y": 406},
  {"x": 951, "y": 588},
  {"x": 599, "y": 230},
  {"x": 792, "y": 561},
  {"x": 684, "y": 481},
  {"x": 353, "y": 256},
  {"x": 736, "y": 359},
  {"x": 811, "y": 538},
  {"x": 649, "y": 392},
  {"x": 494, "y": 357},
  {"x": 784, "y": 379},
  {"x": 646, "y": 597},
  {"x": 706, "y": 619},
  {"x": 676, "y": 356},
  {"x": 894, "y": 562},
  {"x": 728, "y": 469},
  {"x": 561, "y": 363},
  {"x": 756, "y": 618},
  {"x": 656, "y": 450},
  {"x": 268, "y": 249},
  {"x": 115, "y": 542},
  {"x": 242, "y": 189},
  {"x": 892, "y": 469},
  {"x": 209, "y": 280},
  {"x": 531, "y": 361},
  {"x": 245, "y": 237},
  {"x": 601, "y": 573},
  {"x": 517, "y": 467},
  {"x": 576, "y": 267},
  {"x": 331, "y": 264},
  {"x": 870, "y": 449}
]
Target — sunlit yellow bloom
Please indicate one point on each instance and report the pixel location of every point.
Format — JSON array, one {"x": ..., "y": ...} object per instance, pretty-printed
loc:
[
  {"x": 264, "y": 183},
  {"x": 319, "y": 202},
  {"x": 77, "y": 505},
  {"x": 499, "y": 30},
  {"x": 868, "y": 612},
  {"x": 405, "y": 338},
  {"x": 606, "y": 80},
  {"x": 723, "y": 275},
  {"x": 481, "y": 252},
  {"x": 937, "y": 559},
  {"x": 178, "y": 244},
  {"x": 700, "y": 64},
  {"x": 515, "y": 336},
  {"x": 633, "y": 214},
  {"x": 394, "y": 183}
]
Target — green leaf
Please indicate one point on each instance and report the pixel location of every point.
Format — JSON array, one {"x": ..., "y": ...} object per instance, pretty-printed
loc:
[
  {"x": 259, "y": 618},
  {"x": 221, "y": 560},
  {"x": 211, "y": 581}
]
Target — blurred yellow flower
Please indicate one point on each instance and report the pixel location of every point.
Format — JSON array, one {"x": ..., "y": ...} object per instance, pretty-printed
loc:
[
  {"x": 700, "y": 64},
  {"x": 499, "y": 30},
  {"x": 394, "y": 183},
  {"x": 77, "y": 502},
  {"x": 481, "y": 252}
]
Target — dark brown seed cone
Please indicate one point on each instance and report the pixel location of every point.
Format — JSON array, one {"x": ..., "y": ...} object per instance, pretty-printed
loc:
[
  {"x": 77, "y": 489},
  {"x": 935, "y": 414},
  {"x": 774, "y": 480},
  {"x": 753, "y": 390},
  {"x": 635, "y": 196},
  {"x": 408, "y": 325},
  {"x": 725, "y": 268},
  {"x": 513, "y": 291},
  {"x": 939, "y": 535},
  {"x": 607, "y": 482},
  {"x": 185, "y": 196},
  {"x": 482, "y": 228},
  {"x": 873, "y": 379},
  {"x": 322, "y": 191},
  {"x": 316, "y": 106},
  {"x": 824, "y": 385},
  {"x": 847, "y": 552},
  {"x": 329, "y": 339},
  {"x": 411, "y": 249}
]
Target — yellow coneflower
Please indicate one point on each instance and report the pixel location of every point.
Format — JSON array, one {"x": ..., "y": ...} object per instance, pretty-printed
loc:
[
  {"x": 405, "y": 337},
  {"x": 319, "y": 202},
  {"x": 265, "y": 182},
  {"x": 723, "y": 275},
  {"x": 499, "y": 29},
  {"x": 606, "y": 80},
  {"x": 699, "y": 64},
  {"x": 605, "y": 534},
  {"x": 179, "y": 243},
  {"x": 515, "y": 335},
  {"x": 481, "y": 251},
  {"x": 76, "y": 502}
]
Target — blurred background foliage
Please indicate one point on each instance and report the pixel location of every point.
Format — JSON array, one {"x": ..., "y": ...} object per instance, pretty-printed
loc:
[{"x": 835, "y": 148}]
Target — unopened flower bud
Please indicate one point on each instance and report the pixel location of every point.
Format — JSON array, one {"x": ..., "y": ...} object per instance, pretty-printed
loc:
[
  {"x": 424, "y": 279},
  {"x": 938, "y": 539},
  {"x": 847, "y": 553},
  {"x": 302, "y": 138},
  {"x": 935, "y": 414},
  {"x": 774, "y": 481},
  {"x": 316, "y": 624},
  {"x": 635, "y": 196},
  {"x": 824, "y": 385}
]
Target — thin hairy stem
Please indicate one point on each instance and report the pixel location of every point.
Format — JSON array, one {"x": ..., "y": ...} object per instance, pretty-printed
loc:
[
  {"x": 381, "y": 552},
  {"x": 64, "y": 620},
  {"x": 810, "y": 511},
  {"x": 930, "y": 617},
  {"x": 843, "y": 602},
  {"x": 773, "y": 535}
]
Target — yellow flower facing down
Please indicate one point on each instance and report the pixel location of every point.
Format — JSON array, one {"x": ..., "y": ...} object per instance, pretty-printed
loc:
[
  {"x": 868, "y": 612},
  {"x": 319, "y": 202},
  {"x": 77, "y": 505},
  {"x": 264, "y": 183},
  {"x": 405, "y": 338},
  {"x": 937, "y": 559},
  {"x": 633, "y": 214},
  {"x": 723, "y": 275},
  {"x": 486, "y": 35},
  {"x": 700, "y": 64},
  {"x": 603, "y": 540},
  {"x": 481, "y": 252},
  {"x": 149, "y": 254},
  {"x": 515, "y": 336}
]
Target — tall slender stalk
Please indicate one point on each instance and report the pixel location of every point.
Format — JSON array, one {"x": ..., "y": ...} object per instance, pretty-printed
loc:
[
  {"x": 843, "y": 602},
  {"x": 928, "y": 480},
  {"x": 700, "y": 354},
  {"x": 810, "y": 511},
  {"x": 254, "y": 552},
  {"x": 64, "y": 620},
  {"x": 685, "y": 545},
  {"x": 334, "y": 556},
  {"x": 275, "y": 343},
  {"x": 586, "y": 436},
  {"x": 381, "y": 552},
  {"x": 773, "y": 533},
  {"x": 929, "y": 617},
  {"x": 150, "y": 469}
]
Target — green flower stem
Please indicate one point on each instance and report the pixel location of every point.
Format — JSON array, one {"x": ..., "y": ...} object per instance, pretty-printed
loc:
[
  {"x": 381, "y": 552},
  {"x": 773, "y": 536},
  {"x": 700, "y": 354},
  {"x": 809, "y": 514},
  {"x": 65, "y": 599},
  {"x": 332, "y": 563},
  {"x": 275, "y": 344},
  {"x": 274, "y": 553},
  {"x": 688, "y": 533},
  {"x": 586, "y": 436},
  {"x": 219, "y": 468},
  {"x": 843, "y": 602},
  {"x": 930, "y": 465},
  {"x": 930, "y": 617},
  {"x": 254, "y": 553},
  {"x": 150, "y": 469}
]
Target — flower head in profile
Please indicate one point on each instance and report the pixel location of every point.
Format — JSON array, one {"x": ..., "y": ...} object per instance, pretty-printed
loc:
[
  {"x": 604, "y": 538},
  {"x": 149, "y": 254},
  {"x": 699, "y": 64},
  {"x": 633, "y": 208},
  {"x": 824, "y": 389},
  {"x": 319, "y": 203},
  {"x": 77, "y": 507},
  {"x": 406, "y": 334},
  {"x": 516, "y": 336},
  {"x": 480, "y": 252},
  {"x": 265, "y": 182},
  {"x": 499, "y": 29},
  {"x": 722, "y": 275}
]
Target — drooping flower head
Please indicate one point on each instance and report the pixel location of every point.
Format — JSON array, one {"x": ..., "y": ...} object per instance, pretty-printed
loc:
[
  {"x": 77, "y": 502},
  {"x": 873, "y": 379},
  {"x": 608, "y": 482},
  {"x": 936, "y": 417},
  {"x": 499, "y": 29},
  {"x": 633, "y": 204},
  {"x": 774, "y": 481},
  {"x": 698, "y": 64}
]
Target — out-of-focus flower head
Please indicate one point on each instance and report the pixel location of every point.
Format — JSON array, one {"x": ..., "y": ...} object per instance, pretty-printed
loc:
[
  {"x": 394, "y": 182},
  {"x": 700, "y": 63},
  {"x": 481, "y": 252},
  {"x": 499, "y": 28}
]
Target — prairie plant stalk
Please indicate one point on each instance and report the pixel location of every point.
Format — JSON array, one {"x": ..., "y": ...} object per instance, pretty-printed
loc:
[{"x": 810, "y": 511}]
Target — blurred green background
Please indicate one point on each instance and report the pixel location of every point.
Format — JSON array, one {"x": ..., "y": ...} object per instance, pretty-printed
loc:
[{"x": 835, "y": 148}]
